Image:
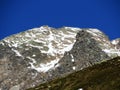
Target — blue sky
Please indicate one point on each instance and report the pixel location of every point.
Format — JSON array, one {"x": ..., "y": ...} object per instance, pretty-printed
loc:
[{"x": 20, "y": 15}]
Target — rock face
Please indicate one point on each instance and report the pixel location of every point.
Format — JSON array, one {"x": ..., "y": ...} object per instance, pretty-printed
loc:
[{"x": 42, "y": 54}]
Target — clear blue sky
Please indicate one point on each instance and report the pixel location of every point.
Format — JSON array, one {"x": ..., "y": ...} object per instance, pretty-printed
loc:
[{"x": 20, "y": 15}]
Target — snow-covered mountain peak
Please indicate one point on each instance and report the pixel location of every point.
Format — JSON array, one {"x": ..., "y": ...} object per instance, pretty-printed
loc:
[
  {"x": 46, "y": 40},
  {"x": 53, "y": 42},
  {"x": 41, "y": 54}
]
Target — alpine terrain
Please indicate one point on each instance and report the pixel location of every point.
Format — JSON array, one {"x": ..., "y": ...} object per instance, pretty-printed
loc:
[{"x": 40, "y": 55}]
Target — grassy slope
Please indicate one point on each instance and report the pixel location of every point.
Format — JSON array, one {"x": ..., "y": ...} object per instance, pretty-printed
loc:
[{"x": 104, "y": 76}]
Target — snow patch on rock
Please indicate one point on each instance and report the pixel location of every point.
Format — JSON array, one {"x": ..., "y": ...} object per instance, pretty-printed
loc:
[
  {"x": 111, "y": 52},
  {"x": 44, "y": 67}
]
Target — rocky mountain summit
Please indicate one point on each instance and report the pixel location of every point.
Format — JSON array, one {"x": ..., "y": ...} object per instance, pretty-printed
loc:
[{"x": 39, "y": 55}]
